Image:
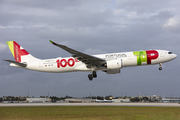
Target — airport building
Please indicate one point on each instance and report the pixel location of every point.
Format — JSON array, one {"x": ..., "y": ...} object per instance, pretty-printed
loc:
[
  {"x": 153, "y": 98},
  {"x": 167, "y": 100},
  {"x": 121, "y": 100}
]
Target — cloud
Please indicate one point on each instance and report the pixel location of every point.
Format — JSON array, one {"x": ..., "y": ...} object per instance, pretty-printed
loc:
[
  {"x": 3, "y": 47},
  {"x": 172, "y": 24}
]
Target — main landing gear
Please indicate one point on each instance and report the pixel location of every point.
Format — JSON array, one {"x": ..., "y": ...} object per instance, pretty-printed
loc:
[
  {"x": 160, "y": 68},
  {"x": 93, "y": 75}
]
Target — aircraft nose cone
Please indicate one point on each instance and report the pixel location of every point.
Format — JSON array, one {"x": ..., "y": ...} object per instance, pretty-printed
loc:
[{"x": 175, "y": 56}]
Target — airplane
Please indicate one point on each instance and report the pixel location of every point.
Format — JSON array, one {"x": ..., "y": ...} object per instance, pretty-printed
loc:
[
  {"x": 104, "y": 101},
  {"x": 111, "y": 63}
]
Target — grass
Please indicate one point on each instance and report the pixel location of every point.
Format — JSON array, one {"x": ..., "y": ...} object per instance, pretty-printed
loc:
[{"x": 90, "y": 113}]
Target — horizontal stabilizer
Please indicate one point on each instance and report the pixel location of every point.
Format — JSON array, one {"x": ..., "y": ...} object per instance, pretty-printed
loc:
[{"x": 16, "y": 63}]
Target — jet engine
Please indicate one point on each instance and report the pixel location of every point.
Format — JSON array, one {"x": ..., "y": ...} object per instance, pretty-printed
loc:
[{"x": 113, "y": 66}]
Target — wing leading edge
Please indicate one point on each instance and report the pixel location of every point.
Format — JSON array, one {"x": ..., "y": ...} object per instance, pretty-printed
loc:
[{"x": 89, "y": 60}]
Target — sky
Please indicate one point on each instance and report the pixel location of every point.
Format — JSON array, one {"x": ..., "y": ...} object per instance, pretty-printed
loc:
[{"x": 92, "y": 27}]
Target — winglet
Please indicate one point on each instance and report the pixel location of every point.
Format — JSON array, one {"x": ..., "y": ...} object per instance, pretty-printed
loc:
[{"x": 52, "y": 42}]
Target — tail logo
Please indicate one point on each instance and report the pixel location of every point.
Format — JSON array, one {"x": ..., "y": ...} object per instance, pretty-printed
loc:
[{"x": 16, "y": 50}]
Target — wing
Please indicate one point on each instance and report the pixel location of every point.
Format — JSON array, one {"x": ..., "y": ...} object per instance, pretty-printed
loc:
[{"x": 89, "y": 60}]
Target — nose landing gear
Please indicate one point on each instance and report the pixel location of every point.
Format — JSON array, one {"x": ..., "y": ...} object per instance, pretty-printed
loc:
[
  {"x": 160, "y": 68},
  {"x": 93, "y": 75}
]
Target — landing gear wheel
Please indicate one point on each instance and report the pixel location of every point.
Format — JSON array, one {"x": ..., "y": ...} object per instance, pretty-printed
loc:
[
  {"x": 94, "y": 74},
  {"x": 90, "y": 77},
  {"x": 160, "y": 64},
  {"x": 160, "y": 68}
]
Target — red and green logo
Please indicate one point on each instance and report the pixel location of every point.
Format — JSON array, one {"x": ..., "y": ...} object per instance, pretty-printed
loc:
[
  {"x": 145, "y": 56},
  {"x": 16, "y": 50}
]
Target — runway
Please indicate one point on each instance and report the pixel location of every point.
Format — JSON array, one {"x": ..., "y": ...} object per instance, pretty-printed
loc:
[{"x": 90, "y": 104}]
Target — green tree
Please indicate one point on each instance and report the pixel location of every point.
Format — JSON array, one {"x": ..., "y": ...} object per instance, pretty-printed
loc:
[
  {"x": 136, "y": 99},
  {"x": 100, "y": 98}
]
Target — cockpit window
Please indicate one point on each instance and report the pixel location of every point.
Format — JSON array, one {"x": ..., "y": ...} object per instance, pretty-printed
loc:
[{"x": 170, "y": 53}]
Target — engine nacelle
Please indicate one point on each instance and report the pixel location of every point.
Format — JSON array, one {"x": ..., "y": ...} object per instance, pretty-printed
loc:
[{"x": 114, "y": 64}]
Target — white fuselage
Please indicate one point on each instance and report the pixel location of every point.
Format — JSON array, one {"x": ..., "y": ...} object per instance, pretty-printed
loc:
[{"x": 128, "y": 59}]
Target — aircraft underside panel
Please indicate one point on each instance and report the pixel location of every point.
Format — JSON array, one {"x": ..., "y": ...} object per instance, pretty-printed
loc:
[{"x": 113, "y": 71}]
